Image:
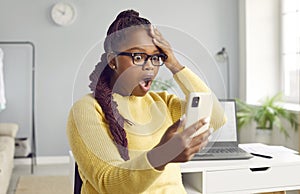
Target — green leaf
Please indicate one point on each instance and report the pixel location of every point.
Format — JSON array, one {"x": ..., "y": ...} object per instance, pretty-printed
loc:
[{"x": 267, "y": 115}]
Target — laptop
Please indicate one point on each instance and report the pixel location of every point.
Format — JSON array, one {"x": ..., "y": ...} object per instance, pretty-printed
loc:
[{"x": 223, "y": 143}]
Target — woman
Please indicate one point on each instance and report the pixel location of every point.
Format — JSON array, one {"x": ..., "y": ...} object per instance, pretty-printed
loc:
[{"x": 125, "y": 138}]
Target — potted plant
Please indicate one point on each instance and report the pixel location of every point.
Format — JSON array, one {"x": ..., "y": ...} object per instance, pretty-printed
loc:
[
  {"x": 266, "y": 116},
  {"x": 160, "y": 84}
]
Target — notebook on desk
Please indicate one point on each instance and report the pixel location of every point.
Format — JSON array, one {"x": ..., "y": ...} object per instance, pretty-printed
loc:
[{"x": 223, "y": 143}]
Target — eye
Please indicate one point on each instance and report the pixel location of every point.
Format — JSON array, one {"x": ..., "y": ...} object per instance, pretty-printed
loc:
[
  {"x": 138, "y": 57},
  {"x": 156, "y": 58}
]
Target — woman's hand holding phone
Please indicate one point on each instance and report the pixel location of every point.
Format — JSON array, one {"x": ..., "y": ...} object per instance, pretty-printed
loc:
[{"x": 176, "y": 146}]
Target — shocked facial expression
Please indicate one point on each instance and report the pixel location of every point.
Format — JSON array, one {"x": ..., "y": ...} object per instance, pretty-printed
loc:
[{"x": 135, "y": 64}]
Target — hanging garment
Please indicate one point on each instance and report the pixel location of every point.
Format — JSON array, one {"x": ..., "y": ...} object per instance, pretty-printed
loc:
[{"x": 2, "y": 93}]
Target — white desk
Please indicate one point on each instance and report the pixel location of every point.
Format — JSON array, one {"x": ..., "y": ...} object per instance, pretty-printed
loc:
[{"x": 255, "y": 175}]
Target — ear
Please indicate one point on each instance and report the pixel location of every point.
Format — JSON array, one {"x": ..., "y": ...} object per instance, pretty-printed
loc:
[{"x": 111, "y": 60}]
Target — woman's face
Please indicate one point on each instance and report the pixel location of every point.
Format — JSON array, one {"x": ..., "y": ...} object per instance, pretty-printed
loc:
[{"x": 128, "y": 78}]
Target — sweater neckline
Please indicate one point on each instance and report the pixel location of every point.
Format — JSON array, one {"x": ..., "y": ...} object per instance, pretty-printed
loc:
[{"x": 130, "y": 98}]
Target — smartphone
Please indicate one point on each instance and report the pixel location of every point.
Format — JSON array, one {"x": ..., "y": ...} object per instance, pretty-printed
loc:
[{"x": 199, "y": 105}]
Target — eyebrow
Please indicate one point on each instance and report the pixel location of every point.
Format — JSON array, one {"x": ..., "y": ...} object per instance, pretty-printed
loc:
[{"x": 141, "y": 49}]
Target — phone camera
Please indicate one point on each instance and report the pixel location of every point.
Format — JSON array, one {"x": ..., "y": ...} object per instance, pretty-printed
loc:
[{"x": 195, "y": 101}]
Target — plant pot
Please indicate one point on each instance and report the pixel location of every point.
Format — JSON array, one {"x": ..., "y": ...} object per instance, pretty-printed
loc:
[{"x": 263, "y": 136}]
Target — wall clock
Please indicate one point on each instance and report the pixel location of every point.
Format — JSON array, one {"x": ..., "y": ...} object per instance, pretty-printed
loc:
[{"x": 63, "y": 13}]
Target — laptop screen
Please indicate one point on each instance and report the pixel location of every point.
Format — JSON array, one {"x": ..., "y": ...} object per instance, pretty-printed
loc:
[{"x": 228, "y": 132}]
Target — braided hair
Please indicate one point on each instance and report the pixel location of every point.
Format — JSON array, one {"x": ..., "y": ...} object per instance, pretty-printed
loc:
[{"x": 101, "y": 76}]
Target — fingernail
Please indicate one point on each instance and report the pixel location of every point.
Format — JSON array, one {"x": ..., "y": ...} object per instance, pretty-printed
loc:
[
  {"x": 182, "y": 118},
  {"x": 152, "y": 28},
  {"x": 207, "y": 119},
  {"x": 209, "y": 138}
]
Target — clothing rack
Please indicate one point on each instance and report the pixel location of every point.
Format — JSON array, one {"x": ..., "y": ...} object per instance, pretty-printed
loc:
[{"x": 33, "y": 139}]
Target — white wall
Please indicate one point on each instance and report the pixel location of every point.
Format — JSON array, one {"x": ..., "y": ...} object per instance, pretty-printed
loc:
[
  {"x": 247, "y": 135},
  {"x": 60, "y": 50}
]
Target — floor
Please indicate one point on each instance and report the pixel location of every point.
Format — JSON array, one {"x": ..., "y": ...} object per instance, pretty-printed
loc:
[{"x": 45, "y": 169}]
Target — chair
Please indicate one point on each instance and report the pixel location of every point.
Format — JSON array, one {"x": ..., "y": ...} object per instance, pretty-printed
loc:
[{"x": 77, "y": 181}]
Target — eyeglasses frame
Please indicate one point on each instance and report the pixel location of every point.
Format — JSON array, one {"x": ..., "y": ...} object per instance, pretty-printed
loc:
[{"x": 148, "y": 57}]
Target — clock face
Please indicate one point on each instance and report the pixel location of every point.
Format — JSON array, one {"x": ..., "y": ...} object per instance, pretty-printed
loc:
[{"x": 63, "y": 14}]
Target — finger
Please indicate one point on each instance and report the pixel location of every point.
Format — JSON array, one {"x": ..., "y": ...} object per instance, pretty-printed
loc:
[
  {"x": 152, "y": 30},
  {"x": 159, "y": 45},
  {"x": 199, "y": 139},
  {"x": 162, "y": 43},
  {"x": 158, "y": 36},
  {"x": 195, "y": 149},
  {"x": 192, "y": 150},
  {"x": 157, "y": 32},
  {"x": 211, "y": 130},
  {"x": 202, "y": 146},
  {"x": 194, "y": 127},
  {"x": 203, "y": 135},
  {"x": 182, "y": 120},
  {"x": 177, "y": 125},
  {"x": 198, "y": 147}
]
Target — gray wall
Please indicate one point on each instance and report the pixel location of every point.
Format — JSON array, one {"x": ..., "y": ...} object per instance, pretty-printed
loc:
[{"x": 60, "y": 50}]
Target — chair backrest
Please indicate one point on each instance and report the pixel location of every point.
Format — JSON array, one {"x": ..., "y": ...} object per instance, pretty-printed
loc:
[{"x": 77, "y": 181}]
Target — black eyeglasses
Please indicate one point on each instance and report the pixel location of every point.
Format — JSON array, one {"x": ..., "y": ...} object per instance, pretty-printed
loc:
[{"x": 140, "y": 59}]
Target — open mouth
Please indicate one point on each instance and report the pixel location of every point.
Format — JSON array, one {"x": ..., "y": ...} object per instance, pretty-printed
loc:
[{"x": 145, "y": 84}]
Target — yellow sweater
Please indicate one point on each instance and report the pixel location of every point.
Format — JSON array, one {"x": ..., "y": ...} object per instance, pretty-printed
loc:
[{"x": 101, "y": 167}]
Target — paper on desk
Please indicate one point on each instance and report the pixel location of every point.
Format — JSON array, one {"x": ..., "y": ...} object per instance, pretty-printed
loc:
[{"x": 264, "y": 149}]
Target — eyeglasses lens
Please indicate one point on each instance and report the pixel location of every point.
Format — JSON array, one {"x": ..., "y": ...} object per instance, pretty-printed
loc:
[{"x": 141, "y": 59}]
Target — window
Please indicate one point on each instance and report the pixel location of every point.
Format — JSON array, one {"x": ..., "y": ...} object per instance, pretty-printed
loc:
[{"x": 290, "y": 49}]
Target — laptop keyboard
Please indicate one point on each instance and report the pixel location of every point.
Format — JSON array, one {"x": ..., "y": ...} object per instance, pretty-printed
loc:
[{"x": 224, "y": 150}]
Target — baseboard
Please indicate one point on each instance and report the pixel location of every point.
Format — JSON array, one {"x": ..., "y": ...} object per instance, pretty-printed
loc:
[{"x": 43, "y": 160}]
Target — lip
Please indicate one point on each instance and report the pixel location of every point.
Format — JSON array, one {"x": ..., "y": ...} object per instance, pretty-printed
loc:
[
  {"x": 145, "y": 86},
  {"x": 148, "y": 75},
  {"x": 146, "y": 82}
]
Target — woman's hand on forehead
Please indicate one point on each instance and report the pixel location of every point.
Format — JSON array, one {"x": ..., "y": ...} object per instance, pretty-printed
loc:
[{"x": 171, "y": 63}]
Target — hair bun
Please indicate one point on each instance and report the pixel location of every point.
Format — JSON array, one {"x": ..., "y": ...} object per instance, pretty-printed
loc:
[{"x": 128, "y": 13}]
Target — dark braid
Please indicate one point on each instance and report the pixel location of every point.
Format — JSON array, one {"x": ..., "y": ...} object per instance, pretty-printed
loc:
[{"x": 100, "y": 79}]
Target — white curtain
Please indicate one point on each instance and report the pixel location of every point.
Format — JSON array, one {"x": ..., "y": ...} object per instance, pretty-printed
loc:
[{"x": 2, "y": 93}]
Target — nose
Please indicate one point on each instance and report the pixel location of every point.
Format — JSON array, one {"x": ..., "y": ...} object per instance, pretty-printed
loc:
[{"x": 148, "y": 66}]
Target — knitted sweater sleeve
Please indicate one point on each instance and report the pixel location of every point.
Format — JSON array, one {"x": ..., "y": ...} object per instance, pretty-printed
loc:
[{"x": 104, "y": 169}]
